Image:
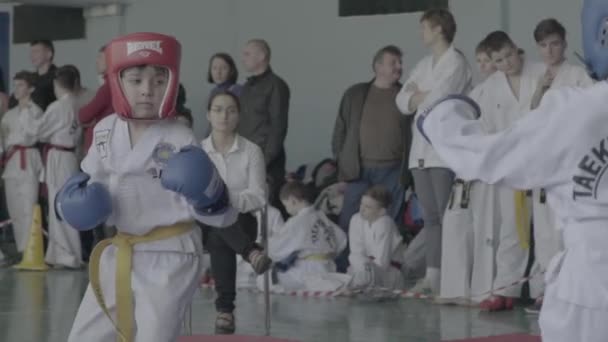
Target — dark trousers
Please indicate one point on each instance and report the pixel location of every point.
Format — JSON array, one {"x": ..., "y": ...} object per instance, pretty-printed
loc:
[
  {"x": 223, "y": 245},
  {"x": 275, "y": 177}
]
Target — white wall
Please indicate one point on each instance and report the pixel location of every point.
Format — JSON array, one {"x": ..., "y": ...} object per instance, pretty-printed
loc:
[
  {"x": 318, "y": 53},
  {"x": 81, "y": 52}
]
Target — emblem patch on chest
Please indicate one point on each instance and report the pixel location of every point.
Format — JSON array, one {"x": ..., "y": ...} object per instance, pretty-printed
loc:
[
  {"x": 162, "y": 152},
  {"x": 101, "y": 142}
]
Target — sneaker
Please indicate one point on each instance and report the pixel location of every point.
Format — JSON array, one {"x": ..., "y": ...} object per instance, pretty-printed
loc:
[
  {"x": 225, "y": 323},
  {"x": 259, "y": 261}
]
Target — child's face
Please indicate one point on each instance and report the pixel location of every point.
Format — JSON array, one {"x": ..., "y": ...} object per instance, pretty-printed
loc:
[
  {"x": 290, "y": 205},
  {"x": 508, "y": 60},
  {"x": 370, "y": 209},
  {"x": 485, "y": 65},
  {"x": 21, "y": 89},
  {"x": 430, "y": 33},
  {"x": 223, "y": 114},
  {"x": 552, "y": 49},
  {"x": 145, "y": 88}
]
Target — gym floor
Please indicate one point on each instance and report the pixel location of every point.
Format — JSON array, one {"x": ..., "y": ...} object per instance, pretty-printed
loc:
[{"x": 40, "y": 306}]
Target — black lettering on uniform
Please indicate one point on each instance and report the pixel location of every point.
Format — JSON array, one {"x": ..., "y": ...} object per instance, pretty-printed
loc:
[
  {"x": 602, "y": 153},
  {"x": 588, "y": 165},
  {"x": 585, "y": 182},
  {"x": 577, "y": 194}
]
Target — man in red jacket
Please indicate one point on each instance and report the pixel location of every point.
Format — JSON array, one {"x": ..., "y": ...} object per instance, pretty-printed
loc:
[{"x": 99, "y": 107}]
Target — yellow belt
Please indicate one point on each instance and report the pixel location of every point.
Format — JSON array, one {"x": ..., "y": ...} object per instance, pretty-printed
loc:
[
  {"x": 124, "y": 253},
  {"x": 522, "y": 218},
  {"x": 317, "y": 257}
]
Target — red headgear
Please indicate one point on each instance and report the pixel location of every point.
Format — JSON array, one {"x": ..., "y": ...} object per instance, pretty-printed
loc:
[{"x": 138, "y": 49}]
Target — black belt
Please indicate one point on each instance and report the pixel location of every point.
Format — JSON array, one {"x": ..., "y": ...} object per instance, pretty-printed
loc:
[{"x": 465, "y": 196}]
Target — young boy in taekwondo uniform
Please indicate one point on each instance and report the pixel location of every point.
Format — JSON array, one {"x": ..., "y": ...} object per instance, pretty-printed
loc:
[
  {"x": 571, "y": 171},
  {"x": 307, "y": 245},
  {"x": 376, "y": 247},
  {"x": 59, "y": 129},
  {"x": 22, "y": 162},
  {"x": 144, "y": 175}
]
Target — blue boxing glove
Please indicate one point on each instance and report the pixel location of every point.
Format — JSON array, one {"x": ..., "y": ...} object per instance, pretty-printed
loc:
[
  {"x": 192, "y": 174},
  {"x": 83, "y": 206}
]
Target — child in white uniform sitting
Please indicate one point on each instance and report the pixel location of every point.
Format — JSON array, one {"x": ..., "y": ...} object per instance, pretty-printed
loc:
[
  {"x": 376, "y": 247},
  {"x": 306, "y": 246}
]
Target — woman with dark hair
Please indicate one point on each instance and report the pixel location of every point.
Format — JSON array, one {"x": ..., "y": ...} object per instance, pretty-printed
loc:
[
  {"x": 241, "y": 165},
  {"x": 223, "y": 73}
]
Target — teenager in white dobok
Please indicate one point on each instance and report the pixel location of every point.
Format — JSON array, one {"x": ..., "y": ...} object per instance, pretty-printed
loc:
[
  {"x": 570, "y": 167},
  {"x": 550, "y": 37}
]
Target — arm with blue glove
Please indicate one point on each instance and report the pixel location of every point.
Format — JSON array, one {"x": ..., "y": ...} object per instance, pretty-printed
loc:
[
  {"x": 81, "y": 204},
  {"x": 192, "y": 174}
]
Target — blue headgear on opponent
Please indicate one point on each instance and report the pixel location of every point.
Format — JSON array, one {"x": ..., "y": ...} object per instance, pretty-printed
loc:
[{"x": 594, "y": 19}]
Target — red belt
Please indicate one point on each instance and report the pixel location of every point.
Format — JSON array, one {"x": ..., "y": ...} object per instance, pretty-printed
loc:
[
  {"x": 22, "y": 158},
  {"x": 48, "y": 147}
]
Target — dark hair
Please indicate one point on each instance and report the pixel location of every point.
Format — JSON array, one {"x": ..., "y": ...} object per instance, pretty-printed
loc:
[
  {"x": 497, "y": 40},
  {"x": 224, "y": 93},
  {"x": 298, "y": 190},
  {"x": 68, "y": 77},
  {"x": 102, "y": 48},
  {"x": 233, "y": 75},
  {"x": 443, "y": 18},
  {"x": 46, "y": 43},
  {"x": 482, "y": 47},
  {"x": 380, "y": 195},
  {"x": 389, "y": 49},
  {"x": 549, "y": 27},
  {"x": 27, "y": 77}
]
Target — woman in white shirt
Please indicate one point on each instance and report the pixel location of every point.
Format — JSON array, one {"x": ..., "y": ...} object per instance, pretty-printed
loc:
[{"x": 241, "y": 165}]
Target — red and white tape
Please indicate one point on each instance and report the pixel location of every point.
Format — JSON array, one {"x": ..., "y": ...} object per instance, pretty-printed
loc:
[{"x": 406, "y": 294}]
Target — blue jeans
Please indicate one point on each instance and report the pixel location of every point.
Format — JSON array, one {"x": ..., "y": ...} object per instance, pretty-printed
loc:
[{"x": 386, "y": 176}]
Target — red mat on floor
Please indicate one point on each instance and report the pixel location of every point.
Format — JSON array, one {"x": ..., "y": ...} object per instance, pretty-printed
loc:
[
  {"x": 503, "y": 338},
  {"x": 231, "y": 338}
]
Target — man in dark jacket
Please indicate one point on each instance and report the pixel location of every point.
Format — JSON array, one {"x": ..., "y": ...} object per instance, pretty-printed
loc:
[
  {"x": 264, "y": 113},
  {"x": 42, "y": 53},
  {"x": 371, "y": 138}
]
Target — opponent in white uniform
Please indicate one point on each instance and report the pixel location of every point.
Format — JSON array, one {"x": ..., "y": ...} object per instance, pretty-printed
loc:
[
  {"x": 59, "y": 129},
  {"x": 144, "y": 174},
  {"x": 22, "y": 162},
  {"x": 571, "y": 170},
  {"x": 376, "y": 247},
  {"x": 306, "y": 245},
  {"x": 550, "y": 37}
]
